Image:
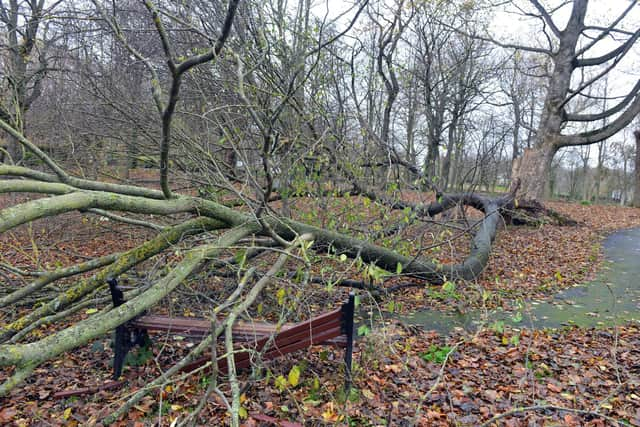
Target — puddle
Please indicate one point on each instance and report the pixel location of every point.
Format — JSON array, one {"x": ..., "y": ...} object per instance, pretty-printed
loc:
[{"x": 612, "y": 298}]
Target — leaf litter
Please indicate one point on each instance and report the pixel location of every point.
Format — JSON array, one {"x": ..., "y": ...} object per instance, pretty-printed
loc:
[{"x": 402, "y": 376}]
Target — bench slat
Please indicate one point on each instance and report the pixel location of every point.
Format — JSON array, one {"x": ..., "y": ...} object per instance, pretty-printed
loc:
[
  {"x": 324, "y": 329},
  {"x": 242, "y": 331},
  {"x": 283, "y": 340},
  {"x": 195, "y": 325},
  {"x": 243, "y": 359},
  {"x": 174, "y": 325},
  {"x": 339, "y": 341},
  {"x": 287, "y": 337},
  {"x": 334, "y": 327}
]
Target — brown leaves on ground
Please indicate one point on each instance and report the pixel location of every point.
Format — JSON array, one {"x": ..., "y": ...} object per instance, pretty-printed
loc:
[
  {"x": 65, "y": 240},
  {"x": 531, "y": 262},
  {"x": 399, "y": 379},
  {"x": 593, "y": 371}
]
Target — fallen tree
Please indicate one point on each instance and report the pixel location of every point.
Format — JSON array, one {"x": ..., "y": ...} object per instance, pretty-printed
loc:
[
  {"x": 193, "y": 233},
  {"x": 200, "y": 217},
  {"x": 218, "y": 227}
]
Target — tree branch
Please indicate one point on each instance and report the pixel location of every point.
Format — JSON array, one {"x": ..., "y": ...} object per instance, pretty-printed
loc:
[
  {"x": 607, "y": 113},
  {"x": 65, "y": 178},
  {"x": 33, "y": 354},
  {"x": 547, "y": 18},
  {"x": 604, "y": 132},
  {"x": 605, "y": 31},
  {"x": 54, "y": 275},
  {"x": 622, "y": 50},
  {"x": 126, "y": 261}
]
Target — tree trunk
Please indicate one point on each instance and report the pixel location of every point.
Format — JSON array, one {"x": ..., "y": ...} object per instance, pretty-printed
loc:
[
  {"x": 535, "y": 165},
  {"x": 585, "y": 172},
  {"x": 599, "y": 171},
  {"x": 533, "y": 170},
  {"x": 636, "y": 187},
  {"x": 454, "y": 172},
  {"x": 15, "y": 150},
  {"x": 515, "y": 151},
  {"x": 446, "y": 162},
  {"x": 431, "y": 160}
]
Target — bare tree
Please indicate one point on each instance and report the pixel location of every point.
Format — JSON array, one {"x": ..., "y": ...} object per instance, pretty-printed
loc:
[
  {"x": 25, "y": 59},
  {"x": 569, "y": 51},
  {"x": 251, "y": 76},
  {"x": 636, "y": 182}
]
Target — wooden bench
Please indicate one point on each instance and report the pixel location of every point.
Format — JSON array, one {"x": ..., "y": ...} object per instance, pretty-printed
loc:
[{"x": 332, "y": 328}]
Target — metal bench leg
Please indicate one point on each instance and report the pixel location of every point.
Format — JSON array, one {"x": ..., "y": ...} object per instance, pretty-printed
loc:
[
  {"x": 126, "y": 338},
  {"x": 348, "y": 312},
  {"x": 121, "y": 349}
]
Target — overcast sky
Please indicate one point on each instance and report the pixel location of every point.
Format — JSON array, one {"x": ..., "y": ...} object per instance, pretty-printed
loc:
[{"x": 509, "y": 25}]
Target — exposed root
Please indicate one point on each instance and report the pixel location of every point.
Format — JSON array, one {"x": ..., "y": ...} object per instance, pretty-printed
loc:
[{"x": 534, "y": 213}]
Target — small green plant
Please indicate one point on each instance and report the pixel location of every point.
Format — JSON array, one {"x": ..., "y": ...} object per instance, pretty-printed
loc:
[
  {"x": 205, "y": 381},
  {"x": 391, "y": 306},
  {"x": 394, "y": 307},
  {"x": 314, "y": 391},
  {"x": 515, "y": 340},
  {"x": 281, "y": 383},
  {"x": 436, "y": 354},
  {"x": 448, "y": 291},
  {"x": 449, "y": 287},
  {"x": 294, "y": 375},
  {"x": 342, "y": 397},
  {"x": 375, "y": 273},
  {"x": 164, "y": 407},
  {"x": 358, "y": 421},
  {"x": 517, "y": 317},
  {"x": 363, "y": 330},
  {"x": 543, "y": 371},
  {"x": 497, "y": 327},
  {"x": 140, "y": 356}
]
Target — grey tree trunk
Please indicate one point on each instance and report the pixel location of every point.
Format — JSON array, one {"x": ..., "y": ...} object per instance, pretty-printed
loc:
[
  {"x": 533, "y": 170},
  {"x": 636, "y": 186}
]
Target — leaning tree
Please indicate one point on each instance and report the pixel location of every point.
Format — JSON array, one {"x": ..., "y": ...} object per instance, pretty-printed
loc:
[
  {"x": 201, "y": 233},
  {"x": 581, "y": 54}
]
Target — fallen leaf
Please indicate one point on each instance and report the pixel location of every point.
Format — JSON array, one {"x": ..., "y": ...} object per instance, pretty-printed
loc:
[
  {"x": 554, "y": 388},
  {"x": 368, "y": 394},
  {"x": 7, "y": 414}
]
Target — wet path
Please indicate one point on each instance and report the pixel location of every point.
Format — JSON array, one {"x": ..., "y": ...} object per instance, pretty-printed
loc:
[{"x": 613, "y": 297}]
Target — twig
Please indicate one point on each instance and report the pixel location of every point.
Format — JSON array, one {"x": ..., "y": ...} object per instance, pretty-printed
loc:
[
  {"x": 131, "y": 221},
  {"x": 88, "y": 390},
  {"x": 514, "y": 411},
  {"x": 438, "y": 378},
  {"x": 47, "y": 320},
  {"x": 19, "y": 271},
  {"x": 243, "y": 306},
  {"x": 51, "y": 276}
]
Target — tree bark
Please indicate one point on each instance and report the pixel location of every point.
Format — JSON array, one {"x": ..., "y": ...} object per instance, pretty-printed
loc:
[
  {"x": 568, "y": 57},
  {"x": 27, "y": 356},
  {"x": 533, "y": 169},
  {"x": 636, "y": 187}
]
